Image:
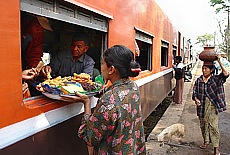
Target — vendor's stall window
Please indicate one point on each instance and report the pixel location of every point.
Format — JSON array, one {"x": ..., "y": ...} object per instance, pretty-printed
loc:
[{"x": 56, "y": 40}]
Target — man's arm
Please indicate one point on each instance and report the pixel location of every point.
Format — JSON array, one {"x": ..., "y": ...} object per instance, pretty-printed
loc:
[{"x": 88, "y": 66}]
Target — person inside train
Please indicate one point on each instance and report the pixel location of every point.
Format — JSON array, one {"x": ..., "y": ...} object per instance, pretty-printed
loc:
[
  {"x": 209, "y": 97},
  {"x": 28, "y": 74},
  {"x": 32, "y": 40},
  {"x": 116, "y": 125},
  {"x": 75, "y": 60}
]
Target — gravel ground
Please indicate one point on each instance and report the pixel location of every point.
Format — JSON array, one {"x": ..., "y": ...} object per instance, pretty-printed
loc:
[{"x": 188, "y": 145}]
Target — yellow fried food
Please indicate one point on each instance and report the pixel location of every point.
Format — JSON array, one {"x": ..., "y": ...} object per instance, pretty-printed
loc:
[
  {"x": 59, "y": 81},
  {"x": 49, "y": 76}
]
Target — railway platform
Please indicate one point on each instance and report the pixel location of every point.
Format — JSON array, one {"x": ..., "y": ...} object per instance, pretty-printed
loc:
[{"x": 186, "y": 114}]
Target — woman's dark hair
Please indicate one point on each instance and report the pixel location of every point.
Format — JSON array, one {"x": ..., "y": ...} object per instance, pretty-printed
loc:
[
  {"x": 179, "y": 58},
  {"x": 122, "y": 59},
  {"x": 211, "y": 67}
]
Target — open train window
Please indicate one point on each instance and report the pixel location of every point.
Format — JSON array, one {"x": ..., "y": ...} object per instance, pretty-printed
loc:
[
  {"x": 164, "y": 53},
  {"x": 144, "y": 57},
  {"x": 144, "y": 42},
  {"x": 59, "y": 39},
  {"x": 174, "y": 49}
]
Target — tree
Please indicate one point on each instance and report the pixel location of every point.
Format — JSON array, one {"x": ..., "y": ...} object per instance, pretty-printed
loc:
[
  {"x": 223, "y": 5},
  {"x": 205, "y": 39},
  {"x": 223, "y": 35},
  {"x": 220, "y": 5}
]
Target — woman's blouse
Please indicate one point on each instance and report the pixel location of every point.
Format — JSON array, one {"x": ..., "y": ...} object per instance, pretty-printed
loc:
[
  {"x": 116, "y": 126},
  {"x": 213, "y": 89}
]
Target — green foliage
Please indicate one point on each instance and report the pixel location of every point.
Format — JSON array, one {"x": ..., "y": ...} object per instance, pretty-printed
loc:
[
  {"x": 219, "y": 4},
  {"x": 205, "y": 39},
  {"x": 223, "y": 6}
]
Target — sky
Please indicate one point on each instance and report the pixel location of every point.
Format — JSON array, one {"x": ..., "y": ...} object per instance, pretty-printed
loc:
[{"x": 192, "y": 18}]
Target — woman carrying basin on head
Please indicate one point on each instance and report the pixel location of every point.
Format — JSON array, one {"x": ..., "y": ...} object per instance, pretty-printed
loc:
[{"x": 209, "y": 96}]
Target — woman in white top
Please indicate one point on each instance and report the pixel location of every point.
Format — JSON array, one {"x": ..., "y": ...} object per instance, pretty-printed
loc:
[{"x": 179, "y": 76}]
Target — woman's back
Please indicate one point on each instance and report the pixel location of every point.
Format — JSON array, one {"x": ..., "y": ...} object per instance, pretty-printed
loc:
[{"x": 121, "y": 119}]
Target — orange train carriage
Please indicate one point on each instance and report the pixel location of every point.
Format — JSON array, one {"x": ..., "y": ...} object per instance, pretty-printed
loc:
[{"x": 40, "y": 125}]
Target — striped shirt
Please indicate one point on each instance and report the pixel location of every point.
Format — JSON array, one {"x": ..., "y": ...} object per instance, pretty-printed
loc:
[{"x": 213, "y": 89}]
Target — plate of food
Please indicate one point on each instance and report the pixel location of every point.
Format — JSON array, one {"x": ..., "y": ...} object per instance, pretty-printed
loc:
[{"x": 67, "y": 86}]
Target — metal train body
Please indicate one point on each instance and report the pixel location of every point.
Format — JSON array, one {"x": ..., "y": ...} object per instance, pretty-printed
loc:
[{"x": 39, "y": 125}]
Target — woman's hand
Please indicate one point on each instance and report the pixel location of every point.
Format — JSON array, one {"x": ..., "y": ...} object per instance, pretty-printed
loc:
[
  {"x": 173, "y": 65},
  {"x": 24, "y": 88},
  {"x": 197, "y": 102},
  {"x": 29, "y": 74},
  {"x": 79, "y": 98},
  {"x": 218, "y": 57},
  {"x": 225, "y": 72},
  {"x": 46, "y": 70}
]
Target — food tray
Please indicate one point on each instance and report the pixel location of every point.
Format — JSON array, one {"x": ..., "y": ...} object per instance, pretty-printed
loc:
[
  {"x": 60, "y": 96},
  {"x": 57, "y": 94}
]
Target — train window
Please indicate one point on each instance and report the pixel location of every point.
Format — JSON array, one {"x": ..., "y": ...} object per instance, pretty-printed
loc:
[
  {"x": 57, "y": 40},
  {"x": 144, "y": 57},
  {"x": 174, "y": 49},
  {"x": 164, "y": 53},
  {"x": 144, "y": 42}
]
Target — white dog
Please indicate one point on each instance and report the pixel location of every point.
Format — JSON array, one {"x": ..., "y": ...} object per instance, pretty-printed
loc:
[{"x": 173, "y": 130}]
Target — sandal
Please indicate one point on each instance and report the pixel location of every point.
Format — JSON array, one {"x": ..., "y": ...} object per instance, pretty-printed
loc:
[{"x": 204, "y": 146}]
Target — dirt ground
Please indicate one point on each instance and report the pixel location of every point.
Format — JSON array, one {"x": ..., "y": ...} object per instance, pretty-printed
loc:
[
  {"x": 193, "y": 138},
  {"x": 189, "y": 145}
]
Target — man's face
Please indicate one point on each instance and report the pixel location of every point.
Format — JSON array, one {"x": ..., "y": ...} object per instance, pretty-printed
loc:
[{"x": 78, "y": 48}]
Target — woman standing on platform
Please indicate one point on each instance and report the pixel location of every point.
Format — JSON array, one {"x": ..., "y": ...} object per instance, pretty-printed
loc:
[
  {"x": 115, "y": 126},
  {"x": 209, "y": 96},
  {"x": 179, "y": 76}
]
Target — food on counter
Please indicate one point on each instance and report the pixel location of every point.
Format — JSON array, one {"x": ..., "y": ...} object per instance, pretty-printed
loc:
[
  {"x": 88, "y": 87},
  {"x": 83, "y": 77},
  {"x": 49, "y": 76},
  {"x": 69, "y": 85},
  {"x": 56, "y": 82},
  {"x": 71, "y": 89}
]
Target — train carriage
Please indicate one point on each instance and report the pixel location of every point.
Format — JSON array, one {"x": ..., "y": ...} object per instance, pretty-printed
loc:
[{"x": 41, "y": 125}]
